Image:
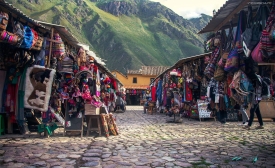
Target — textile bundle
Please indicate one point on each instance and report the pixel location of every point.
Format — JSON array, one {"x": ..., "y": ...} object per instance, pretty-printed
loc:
[{"x": 38, "y": 87}]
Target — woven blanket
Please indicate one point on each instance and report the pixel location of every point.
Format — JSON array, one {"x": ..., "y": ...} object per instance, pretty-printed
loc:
[{"x": 38, "y": 87}]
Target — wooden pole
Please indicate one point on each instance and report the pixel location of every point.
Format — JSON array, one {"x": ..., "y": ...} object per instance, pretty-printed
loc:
[{"x": 50, "y": 50}]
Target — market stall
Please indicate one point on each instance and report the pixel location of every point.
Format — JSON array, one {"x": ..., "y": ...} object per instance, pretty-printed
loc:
[
  {"x": 181, "y": 89},
  {"x": 240, "y": 61},
  {"x": 243, "y": 59},
  {"x": 49, "y": 75}
]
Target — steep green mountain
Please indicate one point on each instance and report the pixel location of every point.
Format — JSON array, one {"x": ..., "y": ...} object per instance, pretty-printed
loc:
[
  {"x": 126, "y": 33},
  {"x": 200, "y": 22}
]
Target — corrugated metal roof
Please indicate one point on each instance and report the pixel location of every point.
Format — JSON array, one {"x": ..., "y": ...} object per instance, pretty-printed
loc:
[
  {"x": 180, "y": 62},
  {"x": 229, "y": 11},
  {"x": 153, "y": 70},
  {"x": 64, "y": 33},
  {"x": 135, "y": 72},
  {"x": 16, "y": 13},
  {"x": 148, "y": 70},
  {"x": 68, "y": 37}
]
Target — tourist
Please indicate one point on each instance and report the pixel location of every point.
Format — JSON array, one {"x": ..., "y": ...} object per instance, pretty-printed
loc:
[
  {"x": 242, "y": 110},
  {"x": 257, "y": 97}
]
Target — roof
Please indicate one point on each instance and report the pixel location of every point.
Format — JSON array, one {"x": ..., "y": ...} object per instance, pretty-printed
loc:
[
  {"x": 149, "y": 70},
  {"x": 64, "y": 34},
  {"x": 143, "y": 87},
  {"x": 181, "y": 61},
  {"x": 229, "y": 11},
  {"x": 16, "y": 13},
  {"x": 134, "y": 72}
]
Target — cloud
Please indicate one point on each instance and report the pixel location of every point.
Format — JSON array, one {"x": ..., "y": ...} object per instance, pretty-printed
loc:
[{"x": 192, "y": 8}]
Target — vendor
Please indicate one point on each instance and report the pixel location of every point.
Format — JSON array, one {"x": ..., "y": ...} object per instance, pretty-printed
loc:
[
  {"x": 120, "y": 103},
  {"x": 145, "y": 106}
]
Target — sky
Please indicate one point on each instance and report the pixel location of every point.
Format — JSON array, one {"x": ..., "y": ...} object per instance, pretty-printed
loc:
[{"x": 192, "y": 8}]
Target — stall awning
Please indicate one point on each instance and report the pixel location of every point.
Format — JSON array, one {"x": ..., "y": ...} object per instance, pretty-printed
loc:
[
  {"x": 63, "y": 32},
  {"x": 142, "y": 87},
  {"x": 180, "y": 62},
  {"x": 16, "y": 13},
  {"x": 229, "y": 11}
]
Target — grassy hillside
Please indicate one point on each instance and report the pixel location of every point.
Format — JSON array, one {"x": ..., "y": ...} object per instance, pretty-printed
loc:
[{"x": 127, "y": 34}]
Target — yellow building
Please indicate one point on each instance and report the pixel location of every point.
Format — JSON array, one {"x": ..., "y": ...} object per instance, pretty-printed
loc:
[{"x": 137, "y": 81}]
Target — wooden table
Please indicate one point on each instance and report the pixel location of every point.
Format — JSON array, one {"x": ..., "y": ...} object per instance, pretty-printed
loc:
[{"x": 89, "y": 124}]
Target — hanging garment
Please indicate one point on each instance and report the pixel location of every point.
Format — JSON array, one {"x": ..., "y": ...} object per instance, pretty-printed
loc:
[
  {"x": 183, "y": 94},
  {"x": 208, "y": 92},
  {"x": 189, "y": 96},
  {"x": 153, "y": 93},
  {"x": 21, "y": 94},
  {"x": 2, "y": 84},
  {"x": 40, "y": 56},
  {"x": 10, "y": 100},
  {"x": 114, "y": 84},
  {"x": 164, "y": 96},
  {"x": 177, "y": 98},
  {"x": 159, "y": 91}
]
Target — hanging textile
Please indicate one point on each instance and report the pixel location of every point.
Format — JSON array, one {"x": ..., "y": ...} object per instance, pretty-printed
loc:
[
  {"x": 38, "y": 87},
  {"x": 159, "y": 91},
  {"x": 2, "y": 83},
  {"x": 153, "y": 93},
  {"x": 21, "y": 94},
  {"x": 164, "y": 96},
  {"x": 188, "y": 93}
]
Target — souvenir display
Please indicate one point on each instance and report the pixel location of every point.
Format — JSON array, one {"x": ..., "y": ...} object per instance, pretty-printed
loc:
[
  {"x": 64, "y": 85},
  {"x": 227, "y": 76}
]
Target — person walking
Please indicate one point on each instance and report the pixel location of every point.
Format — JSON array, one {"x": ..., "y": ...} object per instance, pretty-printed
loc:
[
  {"x": 257, "y": 97},
  {"x": 244, "y": 115}
]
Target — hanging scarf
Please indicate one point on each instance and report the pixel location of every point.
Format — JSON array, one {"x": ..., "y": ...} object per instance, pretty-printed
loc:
[{"x": 21, "y": 94}]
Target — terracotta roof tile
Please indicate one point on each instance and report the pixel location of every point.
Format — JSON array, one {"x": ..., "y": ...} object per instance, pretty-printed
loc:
[{"x": 149, "y": 70}]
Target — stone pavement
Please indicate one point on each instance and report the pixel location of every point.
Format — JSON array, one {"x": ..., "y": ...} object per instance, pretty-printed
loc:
[{"x": 147, "y": 141}]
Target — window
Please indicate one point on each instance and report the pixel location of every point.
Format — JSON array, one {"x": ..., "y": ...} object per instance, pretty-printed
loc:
[{"x": 134, "y": 80}]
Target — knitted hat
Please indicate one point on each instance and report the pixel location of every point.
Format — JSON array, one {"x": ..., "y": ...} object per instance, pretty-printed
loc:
[{"x": 174, "y": 72}]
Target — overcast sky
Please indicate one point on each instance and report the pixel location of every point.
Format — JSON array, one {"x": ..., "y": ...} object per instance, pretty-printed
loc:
[{"x": 192, "y": 8}]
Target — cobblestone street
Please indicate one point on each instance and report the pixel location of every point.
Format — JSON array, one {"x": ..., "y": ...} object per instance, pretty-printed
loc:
[{"x": 147, "y": 141}]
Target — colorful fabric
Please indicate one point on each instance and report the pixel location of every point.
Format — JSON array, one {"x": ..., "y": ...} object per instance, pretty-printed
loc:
[
  {"x": 111, "y": 116},
  {"x": 21, "y": 93},
  {"x": 153, "y": 93},
  {"x": 38, "y": 87},
  {"x": 58, "y": 49},
  {"x": 104, "y": 122},
  {"x": 188, "y": 93},
  {"x": 111, "y": 125},
  {"x": 2, "y": 84},
  {"x": 159, "y": 90}
]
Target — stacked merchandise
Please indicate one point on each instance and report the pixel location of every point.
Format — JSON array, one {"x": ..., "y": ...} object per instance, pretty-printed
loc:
[
  {"x": 72, "y": 80},
  {"x": 231, "y": 77},
  {"x": 234, "y": 77},
  {"x": 21, "y": 47}
]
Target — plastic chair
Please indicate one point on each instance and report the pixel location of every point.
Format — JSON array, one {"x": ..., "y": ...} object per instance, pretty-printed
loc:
[{"x": 2, "y": 125}]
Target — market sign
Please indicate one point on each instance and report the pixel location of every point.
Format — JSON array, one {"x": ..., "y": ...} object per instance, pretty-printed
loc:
[{"x": 202, "y": 109}]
